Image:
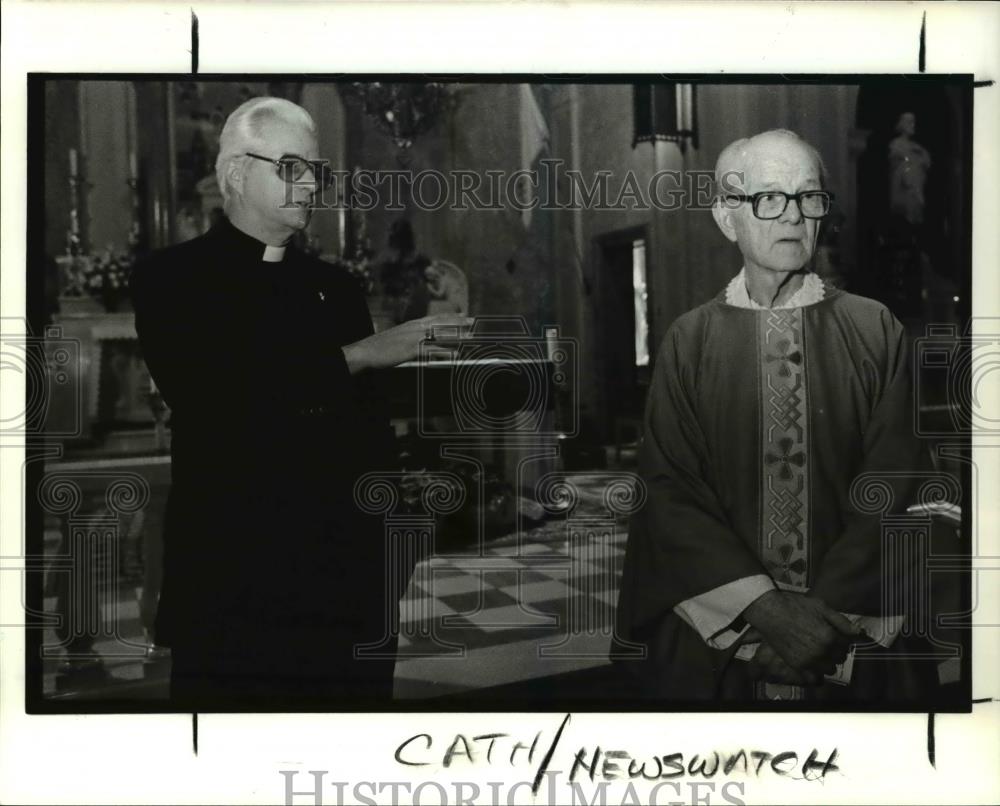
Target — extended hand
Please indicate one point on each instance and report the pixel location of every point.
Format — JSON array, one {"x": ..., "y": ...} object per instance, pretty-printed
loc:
[
  {"x": 802, "y": 631},
  {"x": 402, "y": 343}
]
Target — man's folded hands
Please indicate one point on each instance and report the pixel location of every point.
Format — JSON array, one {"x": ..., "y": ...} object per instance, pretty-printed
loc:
[{"x": 801, "y": 638}]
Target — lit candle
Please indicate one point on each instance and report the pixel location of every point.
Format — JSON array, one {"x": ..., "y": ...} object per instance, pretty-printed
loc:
[
  {"x": 72, "y": 162},
  {"x": 342, "y": 228}
]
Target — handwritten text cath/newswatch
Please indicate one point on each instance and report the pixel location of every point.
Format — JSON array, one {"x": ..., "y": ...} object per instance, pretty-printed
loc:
[{"x": 594, "y": 762}]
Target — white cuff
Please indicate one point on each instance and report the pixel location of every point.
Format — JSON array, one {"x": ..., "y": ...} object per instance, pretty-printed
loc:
[
  {"x": 712, "y": 613},
  {"x": 882, "y": 629}
]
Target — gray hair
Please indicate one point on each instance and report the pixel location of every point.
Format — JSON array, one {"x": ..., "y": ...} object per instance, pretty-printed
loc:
[
  {"x": 735, "y": 153},
  {"x": 244, "y": 129}
]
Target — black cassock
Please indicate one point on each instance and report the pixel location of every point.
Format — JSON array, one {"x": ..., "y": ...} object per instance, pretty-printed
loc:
[{"x": 272, "y": 574}]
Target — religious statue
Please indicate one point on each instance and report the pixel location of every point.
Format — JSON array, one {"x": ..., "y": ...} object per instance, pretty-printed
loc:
[
  {"x": 448, "y": 288},
  {"x": 415, "y": 285},
  {"x": 909, "y": 163}
]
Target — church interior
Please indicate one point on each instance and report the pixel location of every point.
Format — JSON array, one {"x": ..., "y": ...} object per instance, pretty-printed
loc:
[{"x": 536, "y": 542}]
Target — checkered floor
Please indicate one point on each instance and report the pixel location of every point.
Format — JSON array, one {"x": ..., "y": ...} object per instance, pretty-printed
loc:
[
  {"x": 513, "y": 614},
  {"x": 118, "y": 664},
  {"x": 530, "y": 605}
]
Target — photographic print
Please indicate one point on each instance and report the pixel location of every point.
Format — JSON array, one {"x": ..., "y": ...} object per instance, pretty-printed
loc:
[{"x": 483, "y": 385}]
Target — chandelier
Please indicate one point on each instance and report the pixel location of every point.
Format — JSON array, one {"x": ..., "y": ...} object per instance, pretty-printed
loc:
[{"x": 401, "y": 111}]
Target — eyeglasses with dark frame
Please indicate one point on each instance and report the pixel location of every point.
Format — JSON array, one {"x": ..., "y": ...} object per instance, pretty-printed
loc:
[
  {"x": 291, "y": 168},
  {"x": 771, "y": 204}
]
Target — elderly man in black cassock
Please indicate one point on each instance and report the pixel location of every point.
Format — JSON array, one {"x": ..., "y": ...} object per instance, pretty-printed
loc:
[
  {"x": 272, "y": 576},
  {"x": 751, "y": 574}
]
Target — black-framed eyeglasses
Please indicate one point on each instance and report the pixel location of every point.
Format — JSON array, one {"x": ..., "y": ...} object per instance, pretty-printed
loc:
[
  {"x": 292, "y": 168},
  {"x": 771, "y": 204}
]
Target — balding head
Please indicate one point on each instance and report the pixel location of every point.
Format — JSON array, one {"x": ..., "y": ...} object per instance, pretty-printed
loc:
[{"x": 740, "y": 157}]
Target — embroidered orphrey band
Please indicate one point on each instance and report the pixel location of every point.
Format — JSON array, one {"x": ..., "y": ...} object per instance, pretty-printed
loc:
[{"x": 784, "y": 511}]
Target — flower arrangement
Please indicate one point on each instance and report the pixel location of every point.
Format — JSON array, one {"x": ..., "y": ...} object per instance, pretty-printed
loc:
[
  {"x": 103, "y": 276},
  {"x": 109, "y": 272}
]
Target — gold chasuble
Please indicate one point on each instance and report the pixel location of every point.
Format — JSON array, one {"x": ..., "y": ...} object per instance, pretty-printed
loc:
[{"x": 756, "y": 425}]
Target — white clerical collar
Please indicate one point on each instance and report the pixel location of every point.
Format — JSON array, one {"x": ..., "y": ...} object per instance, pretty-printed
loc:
[
  {"x": 810, "y": 292},
  {"x": 273, "y": 254}
]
